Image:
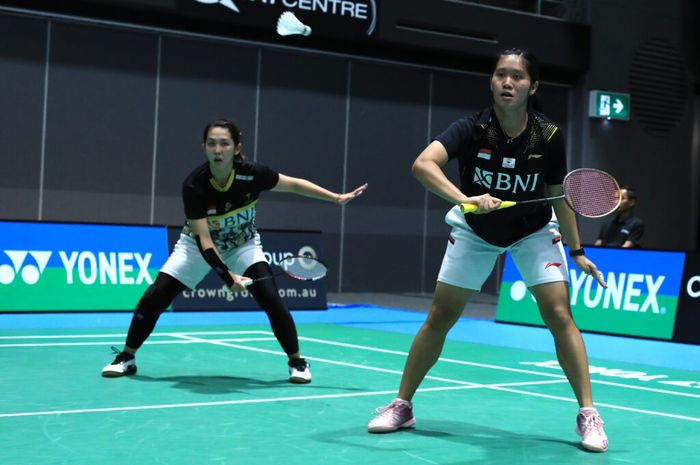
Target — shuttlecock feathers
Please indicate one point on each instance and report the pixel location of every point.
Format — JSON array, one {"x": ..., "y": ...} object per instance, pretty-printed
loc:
[{"x": 288, "y": 25}]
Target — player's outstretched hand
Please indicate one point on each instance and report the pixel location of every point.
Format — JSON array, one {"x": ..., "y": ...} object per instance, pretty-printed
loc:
[{"x": 348, "y": 196}]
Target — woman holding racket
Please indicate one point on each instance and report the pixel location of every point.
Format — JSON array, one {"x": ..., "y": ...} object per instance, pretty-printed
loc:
[
  {"x": 219, "y": 198},
  {"x": 508, "y": 151}
]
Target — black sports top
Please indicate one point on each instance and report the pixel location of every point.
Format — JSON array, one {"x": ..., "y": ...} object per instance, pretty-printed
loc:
[
  {"x": 510, "y": 169},
  {"x": 229, "y": 210},
  {"x": 616, "y": 232}
]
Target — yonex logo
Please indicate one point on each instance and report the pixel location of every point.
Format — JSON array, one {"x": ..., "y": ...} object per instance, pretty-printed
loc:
[
  {"x": 29, "y": 272},
  {"x": 86, "y": 267},
  {"x": 629, "y": 292}
]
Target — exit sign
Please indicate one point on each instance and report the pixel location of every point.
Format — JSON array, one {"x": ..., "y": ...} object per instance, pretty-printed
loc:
[{"x": 609, "y": 105}]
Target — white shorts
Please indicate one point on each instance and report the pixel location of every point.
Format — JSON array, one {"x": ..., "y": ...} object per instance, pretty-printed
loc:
[
  {"x": 469, "y": 259},
  {"x": 187, "y": 265}
]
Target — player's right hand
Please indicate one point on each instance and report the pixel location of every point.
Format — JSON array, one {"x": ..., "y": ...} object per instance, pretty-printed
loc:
[
  {"x": 238, "y": 282},
  {"x": 485, "y": 203}
]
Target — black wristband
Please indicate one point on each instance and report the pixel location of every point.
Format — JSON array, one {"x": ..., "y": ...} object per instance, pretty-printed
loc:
[
  {"x": 577, "y": 253},
  {"x": 219, "y": 266},
  {"x": 213, "y": 259}
]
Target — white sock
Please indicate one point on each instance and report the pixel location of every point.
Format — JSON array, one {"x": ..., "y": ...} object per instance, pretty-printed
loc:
[{"x": 587, "y": 410}]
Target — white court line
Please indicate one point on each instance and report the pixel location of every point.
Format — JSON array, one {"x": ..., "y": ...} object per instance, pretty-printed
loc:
[
  {"x": 320, "y": 341},
  {"x": 254, "y": 401},
  {"x": 122, "y": 335},
  {"x": 463, "y": 384},
  {"x": 106, "y": 343},
  {"x": 497, "y": 387},
  {"x": 502, "y": 368}
]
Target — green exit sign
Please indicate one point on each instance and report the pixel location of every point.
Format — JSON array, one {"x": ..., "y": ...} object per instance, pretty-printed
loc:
[{"x": 609, "y": 105}]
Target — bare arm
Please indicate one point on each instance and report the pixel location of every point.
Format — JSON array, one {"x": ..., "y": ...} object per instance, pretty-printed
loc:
[
  {"x": 309, "y": 189},
  {"x": 428, "y": 170},
  {"x": 200, "y": 228},
  {"x": 569, "y": 232}
]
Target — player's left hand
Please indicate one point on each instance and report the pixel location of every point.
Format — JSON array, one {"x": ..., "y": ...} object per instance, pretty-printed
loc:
[
  {"x": 590, "y": 269},
  {"x": 342, "y": 199}
]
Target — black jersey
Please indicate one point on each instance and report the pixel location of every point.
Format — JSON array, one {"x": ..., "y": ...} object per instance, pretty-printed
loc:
[
  {"x": 229, "y": 210},
  {"x": 617, "y": 231},
  {"x": 510, "y": 169}
]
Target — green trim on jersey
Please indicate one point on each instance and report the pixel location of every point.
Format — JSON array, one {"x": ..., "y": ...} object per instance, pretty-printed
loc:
[{"x": 228, "y": 185}]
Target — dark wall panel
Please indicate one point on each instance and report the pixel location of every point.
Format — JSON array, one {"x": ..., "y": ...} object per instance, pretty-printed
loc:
[
  {"x": 22, "y": 60},
  {"x": 651, "y": 161},
  {"x": 99, "y": 142},
  {"x": 381, "y": 263},
  {"x": 200, "y": 81},
  {"x": 388, "y": 127},
  {"x": 302, "y": 134}
]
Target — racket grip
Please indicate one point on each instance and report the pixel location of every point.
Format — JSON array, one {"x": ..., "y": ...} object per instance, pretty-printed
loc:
[{"x": 471, "y": 208}]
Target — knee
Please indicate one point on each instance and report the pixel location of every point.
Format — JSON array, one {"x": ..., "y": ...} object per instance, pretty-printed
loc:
[
  {"x": 441, "y": 321},
  {"x": 558, "y": 319},
  {"x": 152, "y": 302}
]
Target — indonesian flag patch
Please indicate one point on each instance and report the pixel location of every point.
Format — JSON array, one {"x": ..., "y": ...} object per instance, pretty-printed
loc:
[{"x": 484, "y": 154}]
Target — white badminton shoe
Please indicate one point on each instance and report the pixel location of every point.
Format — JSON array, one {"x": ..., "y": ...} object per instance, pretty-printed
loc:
[
  {"x": 299, "y": 372},
  {"x": 396, "y": 415},
  {"x": 589, "y": 425}
]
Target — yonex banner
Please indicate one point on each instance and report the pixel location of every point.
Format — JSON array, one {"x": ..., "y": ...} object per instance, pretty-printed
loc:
[
  {"x": 641, "y": 298},
  {"x": 211, "y": 294},
  {"x": 85, "y": 267}
]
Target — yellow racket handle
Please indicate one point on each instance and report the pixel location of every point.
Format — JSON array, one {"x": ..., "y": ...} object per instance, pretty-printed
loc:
[{"x": 471, "y": 208}]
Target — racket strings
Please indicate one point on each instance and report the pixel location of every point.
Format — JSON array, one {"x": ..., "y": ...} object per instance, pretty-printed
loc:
[
  {"x": 304, "y": 267},
  {"x": 591, "y": 192}
]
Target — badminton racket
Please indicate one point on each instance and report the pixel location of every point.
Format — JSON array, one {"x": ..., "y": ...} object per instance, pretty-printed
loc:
[
  {"x": 299, "y": 267},
  {"x": 588, "y": 191}
]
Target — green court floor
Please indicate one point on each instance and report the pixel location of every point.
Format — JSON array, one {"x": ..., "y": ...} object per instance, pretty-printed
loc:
[{"x": 219, "y": 395}]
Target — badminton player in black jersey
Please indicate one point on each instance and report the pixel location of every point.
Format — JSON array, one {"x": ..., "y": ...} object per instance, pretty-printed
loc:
[
  {"x": 220, "y": 198},
  {"x": 508, "y": 151}
]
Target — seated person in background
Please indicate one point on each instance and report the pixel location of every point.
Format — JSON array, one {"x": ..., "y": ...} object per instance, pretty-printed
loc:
[{"x": 625, "y": 229}]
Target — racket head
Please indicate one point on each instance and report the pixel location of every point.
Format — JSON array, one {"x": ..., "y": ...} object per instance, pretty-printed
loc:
[
  {"x": 591, "y": 192},
  {"x": 303, "y": 268}
]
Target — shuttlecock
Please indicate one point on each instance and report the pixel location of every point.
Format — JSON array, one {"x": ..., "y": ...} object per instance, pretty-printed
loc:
[{"x": 288, "y": 25}]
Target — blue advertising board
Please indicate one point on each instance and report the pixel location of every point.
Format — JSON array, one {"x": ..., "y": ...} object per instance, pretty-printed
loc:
[
  {"x": 641, "y": 298},
  {"x": 84, "y": 267}
]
